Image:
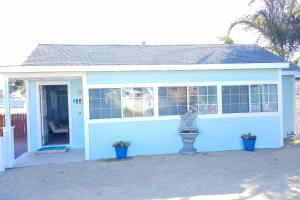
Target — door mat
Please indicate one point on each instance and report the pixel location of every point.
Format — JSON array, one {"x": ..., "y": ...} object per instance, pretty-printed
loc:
[{"x": 58, "y": 149}]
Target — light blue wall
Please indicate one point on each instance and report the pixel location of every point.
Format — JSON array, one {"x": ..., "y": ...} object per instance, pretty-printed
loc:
[
  {"x": 161, "y": 136},
  {"x": 288, "y": 99},
  {"x": 181, "y": 76},
  {"x": 77, "y": 116}
]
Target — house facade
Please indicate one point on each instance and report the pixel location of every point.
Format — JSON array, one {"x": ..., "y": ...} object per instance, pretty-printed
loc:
[{"x": 105, "y": 93}]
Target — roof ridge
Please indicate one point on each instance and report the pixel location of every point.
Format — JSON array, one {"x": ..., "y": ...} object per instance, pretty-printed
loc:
[{"x": 48, "y": 44}]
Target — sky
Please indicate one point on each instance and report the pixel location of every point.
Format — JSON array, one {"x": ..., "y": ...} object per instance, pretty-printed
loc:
[{"x": 26, "y": 23}]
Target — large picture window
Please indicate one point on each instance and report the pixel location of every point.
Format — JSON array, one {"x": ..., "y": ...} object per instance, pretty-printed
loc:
[
  {"x": 235, "y": 99},
  {"x": 203, "y": 99},
  {"x": 264, "y": 98},
  {"x": 105, "y": 103},
  {"x": 172, "y": 100},
  {"x": 137, "y": 102}
]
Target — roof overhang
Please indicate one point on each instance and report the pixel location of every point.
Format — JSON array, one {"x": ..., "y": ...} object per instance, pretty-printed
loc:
[
  {"x": 113, "y": 68},
  {"x": 291, "y": 73}
]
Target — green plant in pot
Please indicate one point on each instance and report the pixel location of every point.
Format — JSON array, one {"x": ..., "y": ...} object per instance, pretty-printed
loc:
[
  {"x": 249, "y": 141},
  {"x": 121, "y": 149}
]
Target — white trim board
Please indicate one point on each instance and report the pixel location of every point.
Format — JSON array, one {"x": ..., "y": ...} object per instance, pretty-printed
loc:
[
  {"x": 38, "y": 113},
  {"x": 27, "y": 91},
  {"x": 113, "y": 68},
  {"x": 86, "y": 113}
]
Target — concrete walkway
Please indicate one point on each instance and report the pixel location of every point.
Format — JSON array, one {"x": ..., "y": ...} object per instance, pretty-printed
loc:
[
  {"x": 263, "y": 174},
  {"x": 33, "y": 159}
]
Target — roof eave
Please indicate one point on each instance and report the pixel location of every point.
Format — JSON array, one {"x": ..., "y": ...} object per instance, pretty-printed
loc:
[{"x": 111, "y": 68}]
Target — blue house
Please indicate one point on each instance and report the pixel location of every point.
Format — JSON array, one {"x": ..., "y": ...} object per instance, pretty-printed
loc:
[{"x": 90, "y": 96}]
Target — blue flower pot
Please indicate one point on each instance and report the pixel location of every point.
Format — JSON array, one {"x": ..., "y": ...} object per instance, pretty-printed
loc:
[
  {"x": 249, "y": 145},
  {"x": 121, "y": 152}
]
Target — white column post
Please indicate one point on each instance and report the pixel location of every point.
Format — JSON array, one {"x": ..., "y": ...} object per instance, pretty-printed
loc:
[
  {"x": 8, "y": 134},
  {"x": 85, "y": 94}
]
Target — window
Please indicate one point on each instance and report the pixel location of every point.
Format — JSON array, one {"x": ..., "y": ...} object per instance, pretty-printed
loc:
[
  {"x": 235, "y": 99},
  {"x": 105, "y": 103},
  {"x": 137, "y": 102},
  {"x": 264, "y": 98},
  {"x": 203, "y": 99},
  {"x": 108, "y": 103},
  {"x": 172, "y": 100}
]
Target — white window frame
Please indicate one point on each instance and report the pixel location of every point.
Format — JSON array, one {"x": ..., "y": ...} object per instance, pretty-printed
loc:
[
  {"x": 249, "y": 100},
  {"x": 260, "y": 98},
  {"x": 219, "y": 114}
]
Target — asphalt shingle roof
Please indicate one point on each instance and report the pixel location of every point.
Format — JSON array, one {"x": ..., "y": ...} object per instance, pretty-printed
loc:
[{"x": 61, "y": 54}]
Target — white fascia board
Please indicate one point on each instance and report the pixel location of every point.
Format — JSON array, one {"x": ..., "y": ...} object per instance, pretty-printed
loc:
[{"x": 111, "y": 68}]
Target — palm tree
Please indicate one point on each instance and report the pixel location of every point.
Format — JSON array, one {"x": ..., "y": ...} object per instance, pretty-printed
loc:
[{"x": 278, "y": 25}]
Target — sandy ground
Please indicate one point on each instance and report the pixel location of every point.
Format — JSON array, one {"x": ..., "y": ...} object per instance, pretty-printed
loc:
[{"x": 263, "y": 174}]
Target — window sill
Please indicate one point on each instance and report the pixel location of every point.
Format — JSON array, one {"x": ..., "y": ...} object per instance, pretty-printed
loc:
[{"x": 177, "y": 117}]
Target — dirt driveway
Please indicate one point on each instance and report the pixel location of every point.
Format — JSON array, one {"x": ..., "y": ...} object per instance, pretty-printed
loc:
[{"x": 263, "y": 174}]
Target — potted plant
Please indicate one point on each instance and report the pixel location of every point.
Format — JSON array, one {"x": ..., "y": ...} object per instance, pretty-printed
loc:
[
  {"x": 121, "y": 148},
  {"x": 249, "y": 140}
]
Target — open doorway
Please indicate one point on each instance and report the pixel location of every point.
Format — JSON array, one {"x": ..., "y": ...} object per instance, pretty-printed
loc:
[{"x": 54, "y": 115}]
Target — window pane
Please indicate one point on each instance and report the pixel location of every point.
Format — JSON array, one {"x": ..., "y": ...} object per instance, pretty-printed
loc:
[
  {"x": 273, "y": 107},
  {"x": 163, "y": 110},
  {"x": 255, "y": 98},
  {"x": 95, "y": 113},
  {"x": 264, "y": 97},
  {"x": 138, "y": 102},
  {"x": 95, "y": 103},
  {"x": 244, "y": 107},
  {"x": 255, "y": 89},
  {"x": 273, "y": 98},
  {"x": 105, "y": 103},
  {"x": 212, "y": 108},
  {"x": 94, "y": 93},
  {"x": 244, "y": 99},
  {"x": 226, "y": 99},
  {"x": 173, "y": 100},
  {"x": 202, "y": 101},
  {"x": 273, "y": 88},
  {"x": 226, "y": 108},
  {"x": 235, "y": 99},
  {"x": 225, "y": 90},
  {"x": 193, "y": 90},
  {"x": 212, "y": 90},
  {"x": 244, "y": 90},
  {"x": 255, "y": 108},
  {"x": 202, "y": 90},
  {"x": 212, "y": 100},
  {"x": 162, "y": 92},
  {"x": 235, "y": 90},
  {"x": 235, "y": 108}
]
